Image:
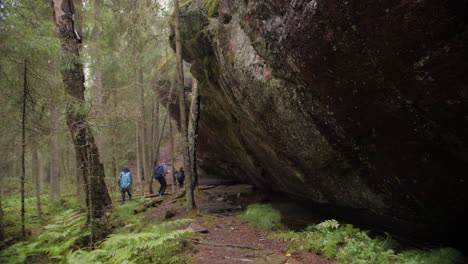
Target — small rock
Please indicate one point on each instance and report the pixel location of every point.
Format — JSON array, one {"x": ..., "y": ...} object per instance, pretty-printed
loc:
[{"x": 196, "y": 228}]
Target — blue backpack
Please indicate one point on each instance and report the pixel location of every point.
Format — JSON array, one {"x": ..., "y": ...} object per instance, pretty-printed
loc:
[
  {"x": 159, "y": 172},
  {"x": 125, "y": 179}
]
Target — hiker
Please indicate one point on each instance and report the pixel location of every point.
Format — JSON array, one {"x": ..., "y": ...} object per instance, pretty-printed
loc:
[
  {"x": 125, "y": 182},
  {"x": 181, "y": 177},
  {"x": 160, "y": 175}
]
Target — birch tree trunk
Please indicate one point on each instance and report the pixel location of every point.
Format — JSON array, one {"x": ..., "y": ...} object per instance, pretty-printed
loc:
[
  {"x": 183, "y": 120},
  {"x": 73, "y": 78}
]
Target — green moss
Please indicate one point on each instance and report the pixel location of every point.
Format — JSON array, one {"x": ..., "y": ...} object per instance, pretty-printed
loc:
[
  {"x": 211, "y": 7},
  {"x": 230, "y": 57},
  {"x": 185, "y": 3}
]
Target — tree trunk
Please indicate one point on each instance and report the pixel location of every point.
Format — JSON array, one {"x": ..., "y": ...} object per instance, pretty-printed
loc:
[
  {"x": 155, "y": 134},
  {"x": 183, "y": 121},
  {"x": 172, "y": 156},
  {"x": 114, "y": 139},
  {"x": 23, "y": 149},
  {"x": 97, "y": 71},
  {"x": 35, "y": 175},
  {"x": 40, "y": 165},
  {"x": 2, "y": 226},
  {"x": 54, "y": 186},
  {"x": 193, "y": 134},
  {"x": 138, "y": 161},
  {"x": 73, "y": 79},
  {"x": 143, "y": 132}
]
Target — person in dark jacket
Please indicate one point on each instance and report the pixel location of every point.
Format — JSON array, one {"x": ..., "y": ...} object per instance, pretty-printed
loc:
[
  {"x": 160, "y": 175},
  {"x": 125, "y": 182},
  {"x": 181, "y": 177}
]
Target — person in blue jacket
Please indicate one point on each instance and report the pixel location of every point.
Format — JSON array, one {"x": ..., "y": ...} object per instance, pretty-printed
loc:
[{"x": 125, "y": 181}]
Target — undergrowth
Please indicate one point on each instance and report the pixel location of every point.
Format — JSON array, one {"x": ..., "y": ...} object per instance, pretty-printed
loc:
[
  {"x": 348, "y": 244},
  {"x": 160, "y": 243},
  {"x": 12, "y": 215},
  {"x": 263, "y": 216},
  {"x": 54, "y": 241},
  {"x": 67, "y": 241}
]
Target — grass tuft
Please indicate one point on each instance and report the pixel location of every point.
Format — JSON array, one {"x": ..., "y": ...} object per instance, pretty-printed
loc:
[{"x": 263, "y": 216}]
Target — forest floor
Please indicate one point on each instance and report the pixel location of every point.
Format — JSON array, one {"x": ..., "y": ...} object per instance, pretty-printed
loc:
[{"x": 223, "y": 236}]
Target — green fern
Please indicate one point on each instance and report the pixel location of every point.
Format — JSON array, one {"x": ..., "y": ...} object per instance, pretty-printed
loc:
[
  {"x": 348, "y": 244},
  {"x": 54, "y": 241},
  {"x": 161, "y": 243}
]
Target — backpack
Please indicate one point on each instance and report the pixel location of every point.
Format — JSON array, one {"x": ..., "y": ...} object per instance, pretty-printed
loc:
[
  {"x": 125, "y": 179},
  {"x": 159, "y": 172},
  {"x": 181, "y": 175}
]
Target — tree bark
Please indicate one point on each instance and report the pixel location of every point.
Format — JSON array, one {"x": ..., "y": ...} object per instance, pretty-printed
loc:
[
  {"x": 97, "y": 71},
  {"x": 23, "y": 148},
  {"x": 35, "y": 175},
  {"x": 40, "y": 164},
  {"x": 174, "y": 181},
  {"x": 183, "y": 120},
  {"x": 193, "y": 134},
  {"x": 73, "y": 78},
  {"x": 138, "y": 161},
  {"x": 143, "y": 132},
  {"x": 155, "y": 125},
  {"x": 2, "y": 226},
  {"x": 54, "y": 184}
]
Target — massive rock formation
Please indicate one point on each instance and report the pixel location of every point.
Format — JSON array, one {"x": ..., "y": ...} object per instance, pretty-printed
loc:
[{"x": 359, "y": 105}]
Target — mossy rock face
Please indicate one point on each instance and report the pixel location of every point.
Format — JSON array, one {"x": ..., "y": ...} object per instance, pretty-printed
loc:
[{"x": 360, "y": 112}]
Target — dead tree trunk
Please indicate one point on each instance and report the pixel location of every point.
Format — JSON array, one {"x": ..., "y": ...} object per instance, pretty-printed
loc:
[
  {"x": 54, "y": 185},
  {"x": 183, "y": 120},
  {"x": 73, "y": 79},
  {"x": 193, "y": 134}
]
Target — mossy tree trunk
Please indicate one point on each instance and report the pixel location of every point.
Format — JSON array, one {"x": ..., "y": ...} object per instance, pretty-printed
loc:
[
  {"x": 92, "y": 170},
  {"x": 193, "y": 134}
]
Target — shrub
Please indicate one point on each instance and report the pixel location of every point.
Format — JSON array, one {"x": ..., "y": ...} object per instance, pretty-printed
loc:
[{"x": 263, "y": 216}]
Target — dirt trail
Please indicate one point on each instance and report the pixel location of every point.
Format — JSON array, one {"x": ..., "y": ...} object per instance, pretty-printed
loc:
[
  {"x": 228, "y": 239},
  {"x": 222, "y": 236}
]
